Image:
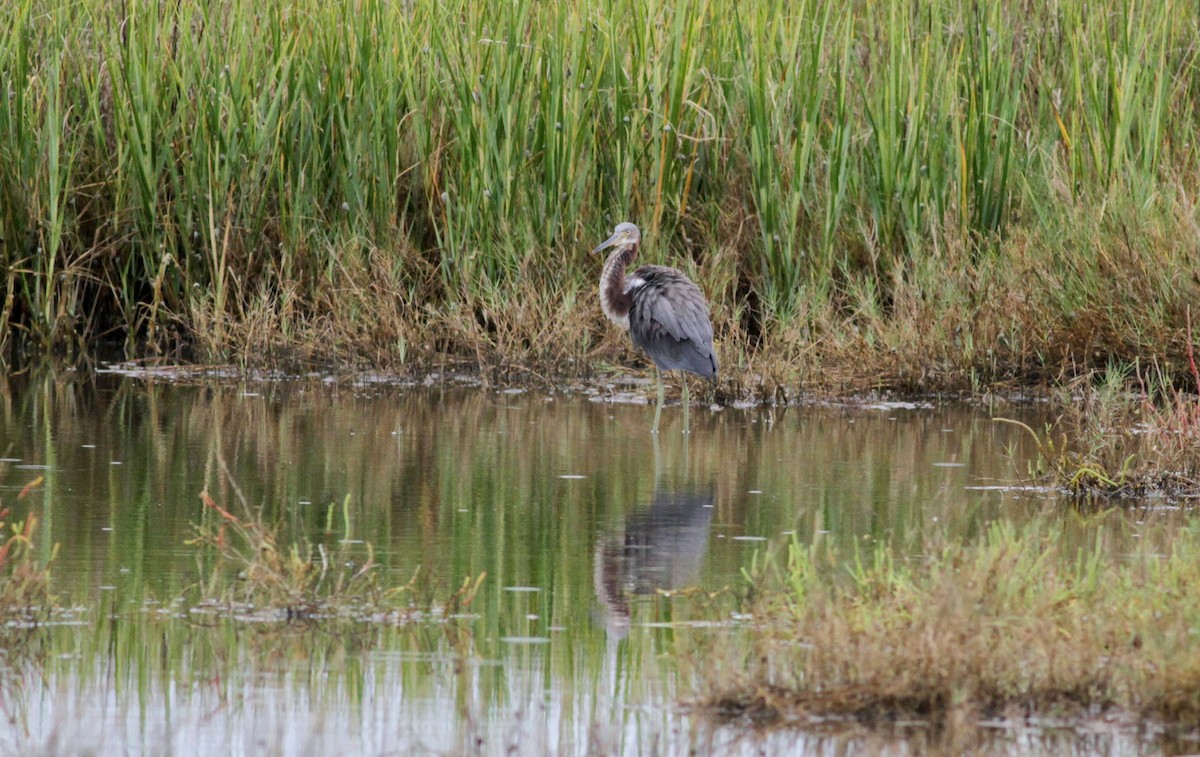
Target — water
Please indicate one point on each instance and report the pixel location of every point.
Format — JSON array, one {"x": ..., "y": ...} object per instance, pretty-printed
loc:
[{"x": 607, "y": 554}]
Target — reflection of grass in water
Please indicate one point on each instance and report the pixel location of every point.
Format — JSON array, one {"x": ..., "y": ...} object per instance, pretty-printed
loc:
[
  {"x": 257, "y": 570},
  {"x": 1018, "y": 624},
  {"x": 25, "y": 604}
]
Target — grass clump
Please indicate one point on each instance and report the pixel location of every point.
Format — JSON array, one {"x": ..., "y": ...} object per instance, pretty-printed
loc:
[
  {"x": 1015, "y": 626},
  {"x": 25, "y": 600},
  {"x": 255, "y": 572},
  {"x": 1125, "y": 435}
]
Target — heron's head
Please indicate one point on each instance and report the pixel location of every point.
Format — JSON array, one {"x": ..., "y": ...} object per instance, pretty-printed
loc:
[{"x": 625, "y": 234}]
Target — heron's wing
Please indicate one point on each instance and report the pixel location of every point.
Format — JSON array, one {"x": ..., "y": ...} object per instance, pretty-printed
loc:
[
  {"x": 668, "y": 302},
  {"x": 669, "y": 320}
]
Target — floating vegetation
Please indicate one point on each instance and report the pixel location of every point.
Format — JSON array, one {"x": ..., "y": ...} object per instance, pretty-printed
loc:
[
  {"x": 1076, "y": 471},
  {"x": 1018, "y": 625}
]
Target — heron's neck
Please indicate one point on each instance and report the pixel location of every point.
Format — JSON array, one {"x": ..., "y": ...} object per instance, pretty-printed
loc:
[{"x": 614, "y": 300}]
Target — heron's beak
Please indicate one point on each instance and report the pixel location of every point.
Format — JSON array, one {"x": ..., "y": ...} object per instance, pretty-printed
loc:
[{"x": 607, "y": 243}]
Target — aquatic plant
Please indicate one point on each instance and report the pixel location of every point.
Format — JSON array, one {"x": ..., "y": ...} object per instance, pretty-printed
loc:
[
  {"x": 1079, "y": 471},
  {"x": 257, "y": 570},
  {"x": 1126, "y": 432},
  {"x": 1014, "y": 626},
  {"x": 302, "y": 578},
  {"x": 25, "y": 600}
]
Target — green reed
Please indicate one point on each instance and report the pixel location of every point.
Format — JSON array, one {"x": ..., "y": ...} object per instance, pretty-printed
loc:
[
  {"x": 210, "y": 173},
  {"x": 774, "y": 58}
]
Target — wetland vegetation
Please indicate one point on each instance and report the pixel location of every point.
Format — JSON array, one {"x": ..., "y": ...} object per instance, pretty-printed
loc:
[
  {"x": 1009, "y": 627},
  {"x": 920, "y": 196},
  {"x": 1121, "y": 434},
  {"x": 953, "y": 195},
  {"x": 470, "y": 569}
]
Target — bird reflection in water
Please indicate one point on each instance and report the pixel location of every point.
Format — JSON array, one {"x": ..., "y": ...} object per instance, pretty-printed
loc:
[{"x": 661, "y": 547}]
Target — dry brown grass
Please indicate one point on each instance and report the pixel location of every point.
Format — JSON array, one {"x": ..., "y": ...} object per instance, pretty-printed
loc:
[
  {"x": 1015, "y": 627},
  {"x": 1040, "y": 306}
]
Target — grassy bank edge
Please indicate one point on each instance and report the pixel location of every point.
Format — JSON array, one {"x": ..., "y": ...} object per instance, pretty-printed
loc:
[{"x": 922, "y": 197}]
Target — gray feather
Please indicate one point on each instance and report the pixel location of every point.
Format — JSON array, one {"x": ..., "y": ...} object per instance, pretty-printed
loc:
[{"x": 669, "y": 322}]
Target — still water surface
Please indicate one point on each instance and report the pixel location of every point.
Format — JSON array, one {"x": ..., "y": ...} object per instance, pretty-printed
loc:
[{"x": 607, "y": 554}]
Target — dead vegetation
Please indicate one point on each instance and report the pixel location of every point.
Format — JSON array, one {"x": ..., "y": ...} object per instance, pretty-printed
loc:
[
  {"x": 1126, "y": 432},
  {"x": 1015, "y": 627}
]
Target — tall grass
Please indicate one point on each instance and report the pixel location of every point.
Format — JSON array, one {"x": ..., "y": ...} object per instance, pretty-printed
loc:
[{"x": 365, "y": 176}]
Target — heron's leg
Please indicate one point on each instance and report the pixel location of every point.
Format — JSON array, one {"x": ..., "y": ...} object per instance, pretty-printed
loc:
[
  {"x": 658, "y": 408},
  {"x": 687, "y": 405},
  {"x": 657, "y": 460}
]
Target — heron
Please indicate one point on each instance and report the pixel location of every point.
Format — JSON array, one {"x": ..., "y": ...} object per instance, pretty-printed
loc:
[{"x": 663, "y": 310}]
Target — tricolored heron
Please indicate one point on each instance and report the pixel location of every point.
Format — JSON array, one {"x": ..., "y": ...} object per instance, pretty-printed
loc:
[{"x": 664, "y": 312}]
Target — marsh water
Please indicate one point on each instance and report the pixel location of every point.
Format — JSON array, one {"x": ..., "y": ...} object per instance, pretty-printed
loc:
[{"x": 610, "y": 559}]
